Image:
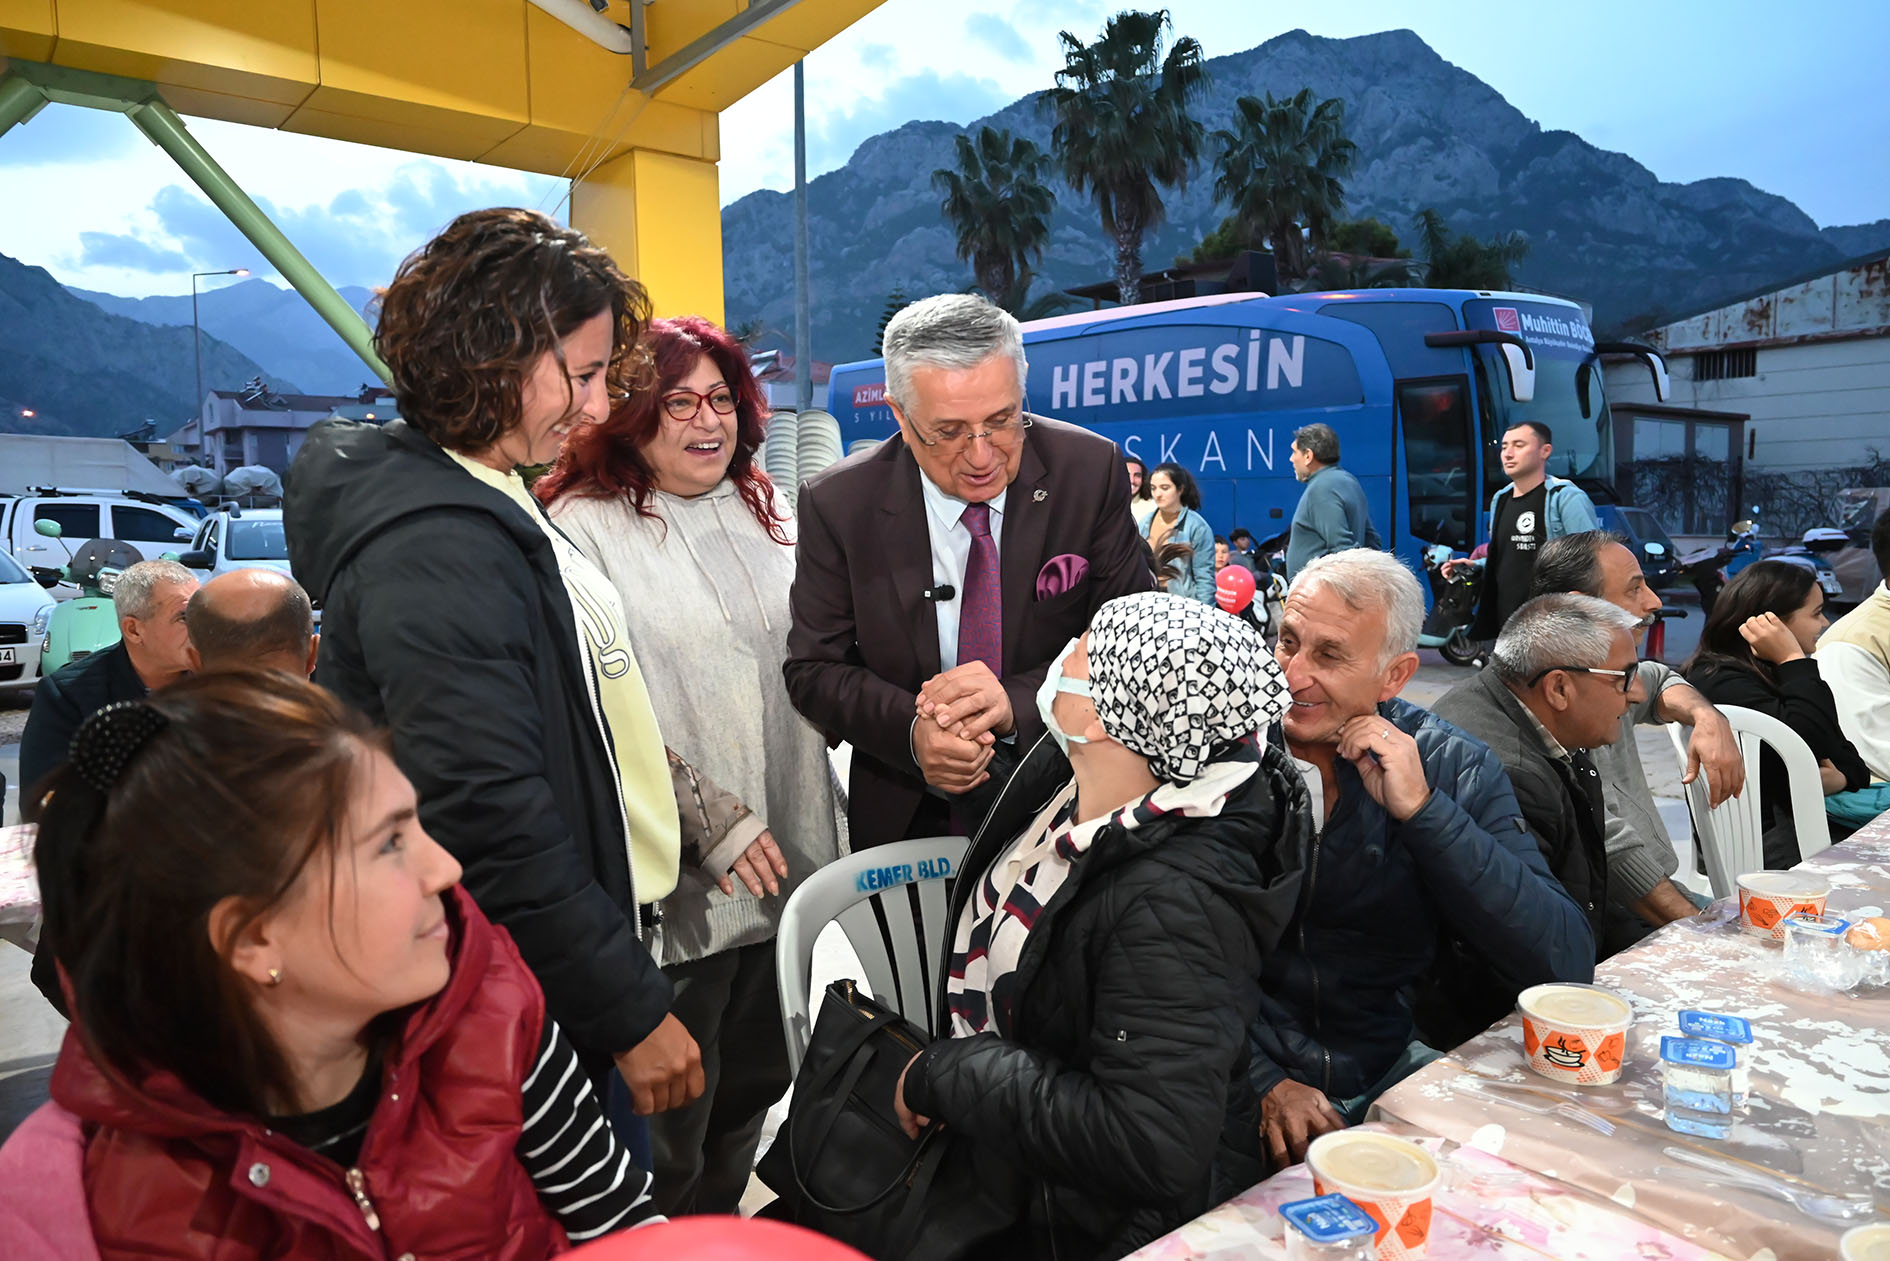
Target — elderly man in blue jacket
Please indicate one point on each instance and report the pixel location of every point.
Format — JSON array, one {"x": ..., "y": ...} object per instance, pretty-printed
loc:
[{"x": 1418, "y": 836}]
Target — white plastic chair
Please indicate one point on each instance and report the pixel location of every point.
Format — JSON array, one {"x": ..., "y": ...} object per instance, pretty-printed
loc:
[
  {"x": 845, "y": 891},
  {"x": 1732, "y": 835}
]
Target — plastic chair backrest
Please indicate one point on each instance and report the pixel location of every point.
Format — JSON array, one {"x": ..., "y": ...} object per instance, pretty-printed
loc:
[
  {"x": 860, "y": 892},
  {"x": 1732, "y": 836}
]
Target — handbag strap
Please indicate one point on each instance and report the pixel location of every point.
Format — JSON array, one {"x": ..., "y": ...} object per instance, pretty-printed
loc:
[{"x": 851, "y": 1057}]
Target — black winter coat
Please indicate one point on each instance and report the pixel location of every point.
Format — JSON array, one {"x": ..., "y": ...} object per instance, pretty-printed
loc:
[
  {"x": 1797, "y": 696},
  {"x": 444, "y": 617},
  {"x": 1563, "y": 804},
  {"x": 1121, "y": 1092}
]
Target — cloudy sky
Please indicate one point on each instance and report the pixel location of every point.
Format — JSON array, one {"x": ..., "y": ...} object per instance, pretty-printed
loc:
[{"x": 1690, "y": 88}]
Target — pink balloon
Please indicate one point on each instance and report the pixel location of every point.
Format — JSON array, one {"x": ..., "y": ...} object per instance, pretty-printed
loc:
[
  {"x": 717, "y": 1239},
  {"x": 1233, "y": 588}
]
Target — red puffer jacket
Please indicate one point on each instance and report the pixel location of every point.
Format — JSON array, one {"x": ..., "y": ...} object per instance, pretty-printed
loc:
[{"x": 167, "y": 1175}]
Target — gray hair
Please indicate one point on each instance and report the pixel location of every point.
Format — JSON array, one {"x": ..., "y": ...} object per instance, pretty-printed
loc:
[
  {"x": 136, "y": 589},
  {"x": 950, "y": 330},
  {"x": 1366, "y": 578},
  {"x": 1318, "y": 441},
  {"x": 1554, "y": 631}
]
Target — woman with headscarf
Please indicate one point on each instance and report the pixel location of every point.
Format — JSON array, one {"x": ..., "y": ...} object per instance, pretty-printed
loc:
[{"x": 1108, "y": 928}]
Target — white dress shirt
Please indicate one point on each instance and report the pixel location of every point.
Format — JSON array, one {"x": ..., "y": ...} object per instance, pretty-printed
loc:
[{"x": 951, "y": 550}]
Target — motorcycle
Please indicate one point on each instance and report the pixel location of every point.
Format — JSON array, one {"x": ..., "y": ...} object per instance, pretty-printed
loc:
[
  {"x": 1453, "y": 610},
  {"x": 88, "y": 623},
  {"x": 1708, "y": 568}
]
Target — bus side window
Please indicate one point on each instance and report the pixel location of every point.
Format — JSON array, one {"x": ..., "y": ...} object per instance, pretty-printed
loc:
[{"x": 1439, "y": 461}]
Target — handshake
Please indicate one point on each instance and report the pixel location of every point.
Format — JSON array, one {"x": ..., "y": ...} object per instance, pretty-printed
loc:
[{"x": 960, "y": 715}]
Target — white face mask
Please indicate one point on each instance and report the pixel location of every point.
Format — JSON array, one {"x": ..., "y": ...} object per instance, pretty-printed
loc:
[{"x": 1054, "y": 682}]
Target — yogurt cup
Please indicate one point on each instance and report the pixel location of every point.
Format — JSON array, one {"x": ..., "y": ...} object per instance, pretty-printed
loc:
[
  {"x": 1574, "y": 1033},
  {"x": 1866, "y": 1243},
  {"x": 1766, "y": 898},
  {"x": 1392, "y": 1179}
]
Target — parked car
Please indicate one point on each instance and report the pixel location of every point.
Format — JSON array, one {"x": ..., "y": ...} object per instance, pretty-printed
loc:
[
  {"x": 148, "y": 522},
  {"x": 235, "y": 538},
  {"x": 25, "y": 610}
]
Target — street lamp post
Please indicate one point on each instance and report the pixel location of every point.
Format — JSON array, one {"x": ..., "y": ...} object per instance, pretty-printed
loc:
[{"x": 196, "y": 332}]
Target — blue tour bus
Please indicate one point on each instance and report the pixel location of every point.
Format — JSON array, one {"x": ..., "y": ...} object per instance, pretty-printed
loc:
[{"x": 1418, "y": 383}]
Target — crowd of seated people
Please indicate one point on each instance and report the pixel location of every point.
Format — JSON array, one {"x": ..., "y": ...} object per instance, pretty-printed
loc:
[{"x": 451, "y": 929}]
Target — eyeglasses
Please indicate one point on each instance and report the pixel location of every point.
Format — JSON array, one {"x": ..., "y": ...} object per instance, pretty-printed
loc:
[
  {"x": 1626, "y": 676},
  {"x": 1002, "y": 434},
  {"x": 686, "y": 404}
]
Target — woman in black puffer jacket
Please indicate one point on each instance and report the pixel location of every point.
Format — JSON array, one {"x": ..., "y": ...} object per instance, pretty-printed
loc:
[{"x": 1108, "y": 934}]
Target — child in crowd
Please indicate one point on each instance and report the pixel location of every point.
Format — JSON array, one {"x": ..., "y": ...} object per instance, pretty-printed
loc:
[{"x": 293, "y": 1034}]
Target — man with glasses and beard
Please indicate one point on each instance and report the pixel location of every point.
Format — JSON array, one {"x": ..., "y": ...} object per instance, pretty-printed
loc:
[{"x": 935, "y": 577}]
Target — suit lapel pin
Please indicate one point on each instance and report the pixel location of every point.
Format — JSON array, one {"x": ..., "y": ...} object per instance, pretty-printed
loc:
[{"x": 1039, "y": 496}]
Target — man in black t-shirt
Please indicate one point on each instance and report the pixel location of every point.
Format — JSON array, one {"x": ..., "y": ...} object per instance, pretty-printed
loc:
[
  {"x": 1534, "y": 508},
  {"x": 1515, "y": 538}
]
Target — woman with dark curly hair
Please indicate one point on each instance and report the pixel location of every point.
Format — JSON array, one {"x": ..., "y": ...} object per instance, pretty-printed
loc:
[
  {"x": 495, "y": 653},
  {"x": 668, "y": 497}
]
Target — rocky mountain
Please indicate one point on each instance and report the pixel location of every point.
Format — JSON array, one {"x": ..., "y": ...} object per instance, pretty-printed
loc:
[
  {"x": 83, "y": 371},
  {"x": 1602, "y": 228},
  {"x": 271, "y": 325}
]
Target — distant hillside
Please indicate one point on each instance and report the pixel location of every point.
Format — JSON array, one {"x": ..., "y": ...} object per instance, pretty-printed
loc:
[
  {"x": 1602, "y": 228},
  {"x": 89, "y": 373},
  {"x": 273, "y": 326}
]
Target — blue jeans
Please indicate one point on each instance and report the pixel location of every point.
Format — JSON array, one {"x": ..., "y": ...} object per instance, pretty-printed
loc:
[
  {"x": 1409, "y": 1061},
  {"x": 633, "y": 1131}
]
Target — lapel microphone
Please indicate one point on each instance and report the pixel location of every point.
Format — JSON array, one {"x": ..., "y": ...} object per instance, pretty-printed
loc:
[{"x": 946, "y": 592}]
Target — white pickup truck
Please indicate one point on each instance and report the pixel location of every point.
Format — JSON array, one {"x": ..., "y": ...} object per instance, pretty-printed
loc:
[{"x": 148, "y": 522}]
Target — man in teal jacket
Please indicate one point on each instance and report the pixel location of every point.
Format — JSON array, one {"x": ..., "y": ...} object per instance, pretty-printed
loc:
[
  {"x": 1534, "y": 508},
  {"x": 1332, "y": 515}
]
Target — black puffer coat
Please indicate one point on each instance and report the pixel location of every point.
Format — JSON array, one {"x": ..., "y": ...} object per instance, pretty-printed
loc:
[{"x": 1122, "y": 1090}]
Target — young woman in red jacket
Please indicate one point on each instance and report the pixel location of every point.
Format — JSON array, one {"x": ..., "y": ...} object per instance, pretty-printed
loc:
[{"x": 293, "y": 1034}]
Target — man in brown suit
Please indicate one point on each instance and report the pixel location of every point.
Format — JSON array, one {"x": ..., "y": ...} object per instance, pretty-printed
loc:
[{"x": 937, "y": 576}]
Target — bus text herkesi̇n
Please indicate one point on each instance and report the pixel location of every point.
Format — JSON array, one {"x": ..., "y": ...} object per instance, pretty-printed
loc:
[{"x": 1419, "y": 384}]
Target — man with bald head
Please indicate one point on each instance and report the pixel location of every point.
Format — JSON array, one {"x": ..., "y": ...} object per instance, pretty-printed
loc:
[{"x": 252, "y": 617}]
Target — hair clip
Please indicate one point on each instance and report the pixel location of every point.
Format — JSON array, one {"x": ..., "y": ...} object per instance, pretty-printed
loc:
[{"x": 106, "y": 742}]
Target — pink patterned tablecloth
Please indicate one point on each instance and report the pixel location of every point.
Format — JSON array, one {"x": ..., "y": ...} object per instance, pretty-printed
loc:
[
  {"x": 19, "y": 886},
  {"x": 1820, "y": 1108},
  {"x": 1522, "y": 1185},
  {"x": 1488, "y": 1208}
]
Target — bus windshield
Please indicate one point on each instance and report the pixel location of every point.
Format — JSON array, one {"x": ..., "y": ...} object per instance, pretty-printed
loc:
[{"x": 1583, "y": 442}]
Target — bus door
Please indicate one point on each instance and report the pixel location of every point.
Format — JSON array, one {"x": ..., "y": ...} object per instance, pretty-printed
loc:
[{"x": 1438, "y": 447}]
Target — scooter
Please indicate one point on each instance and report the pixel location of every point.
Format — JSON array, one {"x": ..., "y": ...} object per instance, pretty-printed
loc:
[
  {"x": 88, "y": 623},
  {"x": 1453, "y": 610}
]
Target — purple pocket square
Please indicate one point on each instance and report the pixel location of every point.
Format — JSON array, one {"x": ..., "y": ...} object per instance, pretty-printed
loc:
[{"x": 1061, "y": 574}]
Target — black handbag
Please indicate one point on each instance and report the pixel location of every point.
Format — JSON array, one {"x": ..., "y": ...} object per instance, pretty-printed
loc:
[{"x": 843, "y": 1166}]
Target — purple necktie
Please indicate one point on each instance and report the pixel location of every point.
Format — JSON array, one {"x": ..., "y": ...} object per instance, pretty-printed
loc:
[{"x": 981, "y": 616}]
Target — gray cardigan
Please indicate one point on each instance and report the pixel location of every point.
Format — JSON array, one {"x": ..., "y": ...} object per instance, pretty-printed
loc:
[{"x": 705, "y": 597}]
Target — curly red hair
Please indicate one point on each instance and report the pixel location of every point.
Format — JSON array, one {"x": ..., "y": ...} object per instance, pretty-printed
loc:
[{"x": 606, "y": 461}]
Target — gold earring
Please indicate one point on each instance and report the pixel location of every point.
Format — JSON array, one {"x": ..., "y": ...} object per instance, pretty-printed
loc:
[{"x": 275, "y": 976}]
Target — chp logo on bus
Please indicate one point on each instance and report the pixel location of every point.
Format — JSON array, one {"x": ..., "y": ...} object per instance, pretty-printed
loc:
[
  {"x": 869, "y": 395},
  {"x": 1508, "y": 319}
]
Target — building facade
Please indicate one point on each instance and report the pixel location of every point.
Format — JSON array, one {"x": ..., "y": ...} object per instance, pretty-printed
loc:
[
  {"x": 255, "y": 426},
  {"x": 1783, "y": 396}
]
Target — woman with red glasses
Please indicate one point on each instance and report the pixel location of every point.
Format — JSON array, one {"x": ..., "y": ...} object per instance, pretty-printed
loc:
[{"x": 668, "y": 497}]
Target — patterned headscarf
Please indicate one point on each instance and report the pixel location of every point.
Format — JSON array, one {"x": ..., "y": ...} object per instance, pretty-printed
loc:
[{"x": 1173, "y": 679}]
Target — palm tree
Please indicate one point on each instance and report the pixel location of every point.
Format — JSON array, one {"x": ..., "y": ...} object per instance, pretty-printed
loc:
[
  {"x": 1123, "y": 127},
  {"x": 1455, "y": 261},
  {"x": 1280, "y": 169},
  {"x": 1336, "y": 271},
  {"x": 999, "y": 205}
]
